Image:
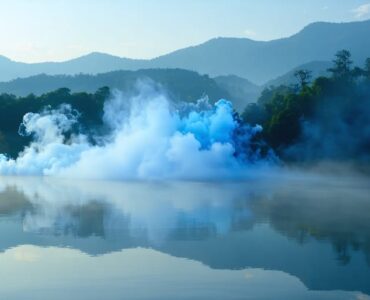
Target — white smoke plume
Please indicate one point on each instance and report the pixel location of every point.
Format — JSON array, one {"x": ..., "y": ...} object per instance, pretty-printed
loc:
[{"x": 150, "y": 138}]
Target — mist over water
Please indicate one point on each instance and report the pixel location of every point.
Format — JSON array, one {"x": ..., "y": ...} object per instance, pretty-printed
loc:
[{"x": 149, "y": 137}]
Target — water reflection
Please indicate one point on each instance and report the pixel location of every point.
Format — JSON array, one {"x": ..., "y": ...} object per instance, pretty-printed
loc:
[{"x": 315, "y": 230}]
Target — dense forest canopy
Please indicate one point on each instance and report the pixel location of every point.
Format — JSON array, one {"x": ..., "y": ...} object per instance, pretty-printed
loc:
[{"x": 327, "y": 119}]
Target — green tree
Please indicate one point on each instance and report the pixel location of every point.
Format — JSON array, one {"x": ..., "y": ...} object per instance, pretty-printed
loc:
[
  {"x": 303, "y": 77},
  {"x": 342, "y": 65}
]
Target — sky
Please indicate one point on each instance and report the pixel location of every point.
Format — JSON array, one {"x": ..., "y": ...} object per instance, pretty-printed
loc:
[{"x": 57, "y": 30}]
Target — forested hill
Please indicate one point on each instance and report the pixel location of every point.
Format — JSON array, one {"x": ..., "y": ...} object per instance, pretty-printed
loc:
[{"x": 180, "y": 84}]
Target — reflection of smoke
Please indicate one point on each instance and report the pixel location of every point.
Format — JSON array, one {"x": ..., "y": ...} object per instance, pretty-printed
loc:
[
  {"x": 149, "y": 139},
  {"x": 106, "y": 208}
]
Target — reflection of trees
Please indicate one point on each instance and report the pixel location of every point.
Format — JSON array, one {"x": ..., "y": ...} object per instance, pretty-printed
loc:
[
  {"x": 323, "y": 213},
  {"x": 82, "y": 221},
  {"x": 13, "y": 203}
]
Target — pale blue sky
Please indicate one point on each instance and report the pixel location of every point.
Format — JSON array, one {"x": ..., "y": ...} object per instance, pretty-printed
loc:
[{"x": 40, "y": 30}]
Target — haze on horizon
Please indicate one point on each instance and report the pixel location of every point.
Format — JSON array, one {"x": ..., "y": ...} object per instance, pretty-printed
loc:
[{"x": 44, "y": 30}]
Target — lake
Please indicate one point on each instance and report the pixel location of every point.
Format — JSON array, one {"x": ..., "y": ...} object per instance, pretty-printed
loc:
[{"x": 301, "y": 236}]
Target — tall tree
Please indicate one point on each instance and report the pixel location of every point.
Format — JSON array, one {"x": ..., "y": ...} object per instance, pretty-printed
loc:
[
  {"x": 303, "y": 77},
  {"x": 342, "y": 65},
  {"x": 367, "y": 68}
]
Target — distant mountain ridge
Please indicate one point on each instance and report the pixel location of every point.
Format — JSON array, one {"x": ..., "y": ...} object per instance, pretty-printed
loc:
[
  {"x": 172, "y": 80},
  {"x": 180, "y": 84},
  {"x": 258, "y": 61}
]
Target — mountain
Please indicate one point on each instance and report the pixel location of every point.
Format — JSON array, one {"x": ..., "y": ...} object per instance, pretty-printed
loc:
[
  {"x": 262, "y": 61},
  {"x": 92, "y": 63},
  {"x": 259, "y": 61}
]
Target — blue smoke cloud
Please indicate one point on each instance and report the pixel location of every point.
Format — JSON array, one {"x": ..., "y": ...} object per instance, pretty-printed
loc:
[{"x": 150, "y": 138}]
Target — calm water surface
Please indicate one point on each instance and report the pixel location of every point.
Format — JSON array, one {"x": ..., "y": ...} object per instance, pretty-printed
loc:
[{"x": 303, "y": 237}]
